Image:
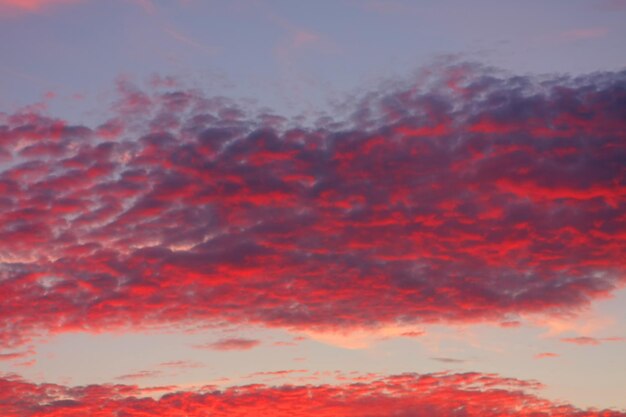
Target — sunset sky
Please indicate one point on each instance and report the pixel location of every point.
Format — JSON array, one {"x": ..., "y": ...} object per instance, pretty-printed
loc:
[{"x": 359, "y": 208}]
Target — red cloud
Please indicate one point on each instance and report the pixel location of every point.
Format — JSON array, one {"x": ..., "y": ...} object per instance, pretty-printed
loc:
[
  {"x": 231, "y": 344},
  {"x": 468, "y": 394},
  {"x": 477, "y": 199}
]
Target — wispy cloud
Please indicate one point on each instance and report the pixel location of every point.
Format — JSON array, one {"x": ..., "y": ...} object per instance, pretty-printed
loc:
[
  {"x": 448, "y": 360},
  {"x": 591, "y": 341},
  {"x": 413, "y": 333},
  {"x": 583, "y": 34},
  {"x": 611, "y": 5},
  {"x": 33, "y": 5},
  {"x": 231, "y": 344},
  {"x": 182, "y": 364},
  {"x": 10, "y": 356},
  {"x": 544, "y": 355},
  {"x": 147, "y": 374},
  {"x": 276, "y": 374},
  {"x": 190, "y": 41}
]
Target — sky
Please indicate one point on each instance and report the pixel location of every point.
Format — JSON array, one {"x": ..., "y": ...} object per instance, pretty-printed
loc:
[{"x": 332, "y": 208}]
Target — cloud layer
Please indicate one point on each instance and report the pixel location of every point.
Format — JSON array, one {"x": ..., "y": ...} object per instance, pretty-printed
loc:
[
  {"x": 467, "y": 195},
  {"x": 468, "y": 394}
]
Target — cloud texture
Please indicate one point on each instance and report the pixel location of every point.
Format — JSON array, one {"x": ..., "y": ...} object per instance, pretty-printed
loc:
[
  {"x": 469, "y": 195},
  {"x": 435, "y": 395}
]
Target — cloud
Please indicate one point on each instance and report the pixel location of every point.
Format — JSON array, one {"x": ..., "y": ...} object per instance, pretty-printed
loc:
[
  {"x": 611, "y": 5},
  {"x": 588, "y": 33},
  {"x": 293, "y": 342},
  {"x": 189, "y": 40},
  {"x": 231, "y": 344},
  {"x": 593, "y": 341},
  {"x": 589, "y": 322},
  {"x": 544, "y": 355},
  {"x": 442, "y": 394},
  {"x": 448, "y": 360},
  {"x": 140, "y": 375},
  {"x": 166, "y": 369},
  {"x": 510, "y": 324},
  {"x": 472, "y": 196},
  {"x": 276, "y": 374},
  {"x": 33, "y": 5},
  {"x": 413, "y": 333},
  {"x": 182, "y": 364},
  {"x": 9, "y": 356},
  {"x": 147, "y": 6}
]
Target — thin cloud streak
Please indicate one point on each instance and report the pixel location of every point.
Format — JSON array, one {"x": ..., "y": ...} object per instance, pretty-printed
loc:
[
  {"x": 590, "y": 341},
  {"x": 544, "y": 355},
  {"x": 187, "y": 40},
  {"x": 582, "y": 34},
  {"x": 231, "y": 344}
]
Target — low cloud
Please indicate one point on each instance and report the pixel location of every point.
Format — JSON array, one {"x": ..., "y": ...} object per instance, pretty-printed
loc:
[{"x": 435, "y": 395}]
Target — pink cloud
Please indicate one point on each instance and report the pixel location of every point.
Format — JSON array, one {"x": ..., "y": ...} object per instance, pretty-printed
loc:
[
  {"x": 588, "y": 33},
  {"x": 416, "y": 333},
  {"x": 181, "y": 364},
  {"x": 544, "y": 355},
  {"x": 231, "y": 344},
  {"x": 611, "y": 5},
  {"x": 27, "y": 364},
  {"x": 187, "y": 40},
  {"x": 13, "y": 355},
  {"x": 510, "y": 324},
  {"x": 302, "y": 38},
  {"x": 10, "y": 356},
  {"x": 34, "y": 5},
  {"x": 147, "y": 6}
]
